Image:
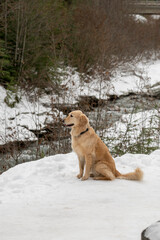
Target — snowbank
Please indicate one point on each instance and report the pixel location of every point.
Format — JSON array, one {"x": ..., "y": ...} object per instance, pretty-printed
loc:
[{"x": 44, "y": 200}]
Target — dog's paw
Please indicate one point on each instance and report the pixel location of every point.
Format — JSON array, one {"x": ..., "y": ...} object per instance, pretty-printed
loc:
[
  {"x": 84, "y": 178},
  {"x": 79, "y": 176}
]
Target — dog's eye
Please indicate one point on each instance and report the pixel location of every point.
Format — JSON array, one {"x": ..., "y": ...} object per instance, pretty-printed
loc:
[{"x": 71, "y": 115}]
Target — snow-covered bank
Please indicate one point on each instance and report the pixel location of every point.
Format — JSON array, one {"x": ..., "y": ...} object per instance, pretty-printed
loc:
[
  {"x": 33, "y": 113},
  {"x": 29, "y": 114},
  {"x": 137, "y": 78},
  {"x": 44, "y": 200}
]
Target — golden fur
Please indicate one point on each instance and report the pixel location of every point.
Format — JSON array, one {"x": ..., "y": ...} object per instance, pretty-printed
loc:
[{"x": 92, "y": 152}]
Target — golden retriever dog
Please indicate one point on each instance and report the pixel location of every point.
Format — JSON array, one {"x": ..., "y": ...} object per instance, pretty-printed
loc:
[{"x": 92, "y": 153}]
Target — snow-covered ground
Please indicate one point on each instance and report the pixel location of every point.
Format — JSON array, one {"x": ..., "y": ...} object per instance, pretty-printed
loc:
[{"x": 44, "y": 200}]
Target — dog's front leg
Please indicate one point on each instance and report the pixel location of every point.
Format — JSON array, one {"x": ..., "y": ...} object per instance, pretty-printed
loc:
[
  {"x": 88, "y": 160},
  {"x": 81, "y": 166}
]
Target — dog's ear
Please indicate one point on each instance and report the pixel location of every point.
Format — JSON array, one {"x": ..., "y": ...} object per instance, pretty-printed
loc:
[{"x": 83, "y": 120}]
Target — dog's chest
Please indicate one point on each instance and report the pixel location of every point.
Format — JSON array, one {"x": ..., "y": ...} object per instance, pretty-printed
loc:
[{"x": 77, "y": 146}]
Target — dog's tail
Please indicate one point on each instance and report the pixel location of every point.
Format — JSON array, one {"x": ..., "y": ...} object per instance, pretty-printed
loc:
[{"x": 136, "y": 175}]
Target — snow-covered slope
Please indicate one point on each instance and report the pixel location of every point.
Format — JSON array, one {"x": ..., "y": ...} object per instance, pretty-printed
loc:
[
  {"x": 44, "y": 200},
  {"x": 138, "y": 77}
]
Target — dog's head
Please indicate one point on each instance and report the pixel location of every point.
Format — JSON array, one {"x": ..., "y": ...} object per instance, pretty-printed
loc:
[{"x": 76, "y": 118}]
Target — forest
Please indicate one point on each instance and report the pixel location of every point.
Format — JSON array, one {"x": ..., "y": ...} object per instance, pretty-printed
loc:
[{"x": 38, "y": 37}]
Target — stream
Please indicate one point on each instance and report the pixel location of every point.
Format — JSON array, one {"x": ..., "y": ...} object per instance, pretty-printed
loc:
[{"x": 102, "y": 114}]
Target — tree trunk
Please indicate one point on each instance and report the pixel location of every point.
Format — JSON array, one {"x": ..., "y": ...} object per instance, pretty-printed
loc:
[{"x": 5, "y": 20}]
